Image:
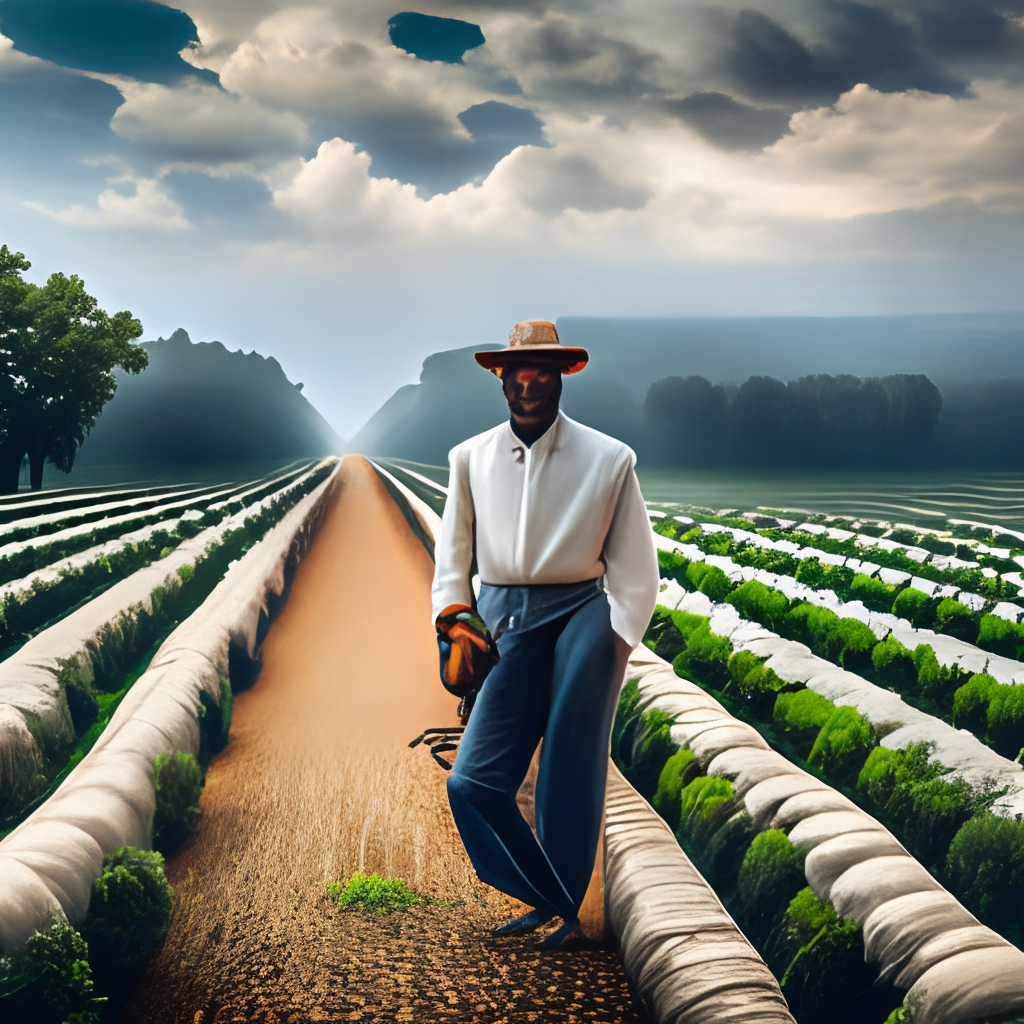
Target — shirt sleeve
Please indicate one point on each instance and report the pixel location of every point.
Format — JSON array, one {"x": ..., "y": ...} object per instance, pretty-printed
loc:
[
  {"x": 632, "y": 577},
  {"x": 453, "y": 552}
]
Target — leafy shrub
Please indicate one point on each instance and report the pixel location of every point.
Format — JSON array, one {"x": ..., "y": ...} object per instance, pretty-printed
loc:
[
  {"x": 842, "y": 745},
  {"x": 1001, "y": 636},
  {"x": 893, "y": 663},
  {"x": 771, "y": 873},
  {"x": 49, "y": 980},
  {"x": 703, "y": 805},
  {"x": 755, "y": 681},
  {"x": 811, "y": 572},
  {"x": 803, "y": 712},
  {"x": 675, "y": 774},
  {"x": 855, "y": 643},
  {"x": 818, "y": 958},
  {"x": 719, "y": 857},
  {"x": 916, "y": 800},
  {"x": 626, "y": 716},
  {"x": 985, "y": 870},
  {"x": 674, "y": 565},
  {"x": 955, "y": 619},
  {"x": 652, "y": 746},
  {"x": 185, "y": 573},
  {"x": 687, "y": 622},
  {"x": 936, "y": 681},
  {"x": 707, "y": 656},
  {"x": 1006, "y": 720},
  {"x": 971, "y": 701},
  {"x": 662, "y": 636},
  {"x": 813, "y": 625},
  {"x": 872, "y": 592},
  {"x": 708, "y": 579},
  {"x": 753, "y": 600},
  {"x": 374, "y": 894},
  {"x": 915, "y": 606},
  {"x": 129, "y": 911},
  {"x": 178, "y": 781}
]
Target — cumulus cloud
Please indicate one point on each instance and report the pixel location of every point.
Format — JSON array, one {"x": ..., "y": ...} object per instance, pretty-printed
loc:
[
  {"x": 198, "y": 124},
  {"x": 147, "y": 208}
]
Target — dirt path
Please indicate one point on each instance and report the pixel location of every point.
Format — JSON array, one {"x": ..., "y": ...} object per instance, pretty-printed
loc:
[{"x": 316, "y": 783}]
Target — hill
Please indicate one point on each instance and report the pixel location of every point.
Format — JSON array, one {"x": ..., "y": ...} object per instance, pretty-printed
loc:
[
  {"x": 199, "y": 403},
  {"x": 977, "y": 360}
]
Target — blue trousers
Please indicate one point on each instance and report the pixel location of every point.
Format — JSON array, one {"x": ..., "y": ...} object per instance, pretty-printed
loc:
[{"x": 558, "y": 679}]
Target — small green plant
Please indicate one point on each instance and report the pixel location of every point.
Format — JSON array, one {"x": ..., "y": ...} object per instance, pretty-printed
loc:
[
  {"x": 802, "y": 712},
  {"x": 956, "y": 619},
  {"x": 164, "y": 552},
  {"x": 49, "y": 980},
  {"x": 129, "y": 912},
  {"x": 915, "y": 606},
  {"x": 652, "y": 746},
  {"x": 374, "y": 894},
  {"x": 771, "y": 873},
  {"x": 185, "y": 573},
  {"x": 842, "y": 745},
  {"x": 178, "y": 782},
  {"x": 670, "y": 784}
]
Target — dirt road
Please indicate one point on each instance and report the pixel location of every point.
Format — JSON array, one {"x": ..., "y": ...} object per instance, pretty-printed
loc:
[{"x": 318, "y": 782}]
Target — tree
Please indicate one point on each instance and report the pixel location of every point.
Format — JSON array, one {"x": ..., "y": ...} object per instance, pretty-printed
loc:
[{"x": 58, "y": 351}]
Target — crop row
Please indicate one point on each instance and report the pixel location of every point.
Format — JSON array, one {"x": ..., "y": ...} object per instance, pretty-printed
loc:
[
  {"x": 27, "y": 604},
  {"x": 848, "y": 921},
  {"x": 53, "y": 690}
]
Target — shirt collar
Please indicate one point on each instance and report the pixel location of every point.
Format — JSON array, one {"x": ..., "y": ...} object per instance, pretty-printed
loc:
[{"x": 551, "y": 439}]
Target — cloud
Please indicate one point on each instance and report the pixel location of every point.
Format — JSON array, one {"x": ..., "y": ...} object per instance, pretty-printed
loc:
[
  {"x": 728, "y": 123},
  {"x": 201, "y": 125},
  {"x": 148, "y": 208}
]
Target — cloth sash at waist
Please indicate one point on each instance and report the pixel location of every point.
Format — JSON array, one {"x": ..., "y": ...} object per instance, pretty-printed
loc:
[{"x": 514, "y": 608}]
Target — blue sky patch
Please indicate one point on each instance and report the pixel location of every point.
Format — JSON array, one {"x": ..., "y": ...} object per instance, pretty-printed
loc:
[
  {"x": 137, "y": 38},
  {"x": 431, "y": 38}
]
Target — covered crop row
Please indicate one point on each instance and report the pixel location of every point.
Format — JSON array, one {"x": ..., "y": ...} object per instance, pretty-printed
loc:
[
  {"x": 950, "y": 799},
  {"x": 49, "y": 862},
  {"x": 848, "y": 921},
  {"x": 24, "y": 506},
  {"x": 28, "y": 603},
  {"x": 942, "y": 675},
  {"x": 50, "y": 687}
]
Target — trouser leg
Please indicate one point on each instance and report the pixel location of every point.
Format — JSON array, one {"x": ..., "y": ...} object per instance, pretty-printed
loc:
[
  {"x": 492, "y": 761},
  {"x": 586, "y": 679}
]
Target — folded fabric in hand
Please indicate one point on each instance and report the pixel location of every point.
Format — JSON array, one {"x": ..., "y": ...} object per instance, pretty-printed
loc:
[{"x": 467, "y": 650}]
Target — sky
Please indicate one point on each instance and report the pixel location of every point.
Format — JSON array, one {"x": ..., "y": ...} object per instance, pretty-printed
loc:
[{"x": 349, "y": 186}]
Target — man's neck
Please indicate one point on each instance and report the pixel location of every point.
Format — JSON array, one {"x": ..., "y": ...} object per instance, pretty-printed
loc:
[{"x": 531, "y": 433}]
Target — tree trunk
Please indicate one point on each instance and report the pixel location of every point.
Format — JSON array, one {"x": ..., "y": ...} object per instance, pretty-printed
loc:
[
  {"x": 10, "y": 467},
  {"x": 35, "y": 470}
]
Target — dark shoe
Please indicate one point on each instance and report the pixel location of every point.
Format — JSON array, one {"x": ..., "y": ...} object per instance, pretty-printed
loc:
[
  {"x": 560, "y": 934},
  {"x": 527, "y": 923}
]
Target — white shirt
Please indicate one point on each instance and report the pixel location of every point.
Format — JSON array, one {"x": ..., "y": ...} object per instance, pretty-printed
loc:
[{"x": 566, "y": 509}]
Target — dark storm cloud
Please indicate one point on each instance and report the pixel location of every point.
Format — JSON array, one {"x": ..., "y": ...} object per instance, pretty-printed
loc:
[
  {"x": 727, "y": 123},
  {"x": 861, "y": 43},
  {"x": 137, "y": 38}
]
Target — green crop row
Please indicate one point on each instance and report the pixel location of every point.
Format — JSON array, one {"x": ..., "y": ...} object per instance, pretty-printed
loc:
[
  {"x": 944, "y": 823},
  {"x": 994, "y": 712}
]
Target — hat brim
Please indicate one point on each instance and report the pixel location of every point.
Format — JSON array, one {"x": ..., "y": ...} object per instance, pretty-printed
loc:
[{"x": 570, "y": 360}]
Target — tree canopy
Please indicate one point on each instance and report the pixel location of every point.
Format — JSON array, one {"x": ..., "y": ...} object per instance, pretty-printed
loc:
[{"x": 58, "y": 351}]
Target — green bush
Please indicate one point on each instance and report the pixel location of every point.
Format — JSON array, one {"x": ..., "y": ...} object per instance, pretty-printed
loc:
[
  {"x": 855, "y": 643},
  {"x": 936, "y": 681},
  {"x": 815, "y": 626},
  {"x": 812, "y": 572},
  {"x": 894, "y": 664},
  {"x": 709, "y": 580},
  {"x": 971, "y": 701},
  {"x": 1006, "y": 720},
  {"x": 1001, "y": 636},
  {"x": 755, "y": 601},
  {"x": 955, "y": 619},
  {"x": 49, "y": 980},
  {"x": 755, "y": 681},
  {"x": 878, "y": 776},
  {"x": 802, "y": 712},
  {"x": 178, "y": 782},
  {"x": 706, "y": 656},
  {"x": 674, "y": 565},
  {"x": 687, "y": 622},
  {"x": 915, "y": 606},
  {"x": 129, "y": 912},
  {"x": 652, "y": 747},
  {"x": 626, "y": 716},
  {"x": 985, "y": 871},
  {"x": 374, "y": 894},
  {"x": 703, "y": 805},
  {"x": 771, "y": 873},
  {"x": 842, "y": 745},
  {"x": 818, "y": 958},
  {"x": 677, "y": 772},
  {"x": 872, "y": 592},
  {"x": 663, "y": 636}
]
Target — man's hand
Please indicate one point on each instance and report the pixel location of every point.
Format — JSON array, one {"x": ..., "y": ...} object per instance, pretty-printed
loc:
[{"x": 467, "y": 650}]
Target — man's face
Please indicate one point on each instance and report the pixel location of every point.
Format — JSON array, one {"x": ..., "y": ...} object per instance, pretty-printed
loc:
[{"x": 532, "y": 390}]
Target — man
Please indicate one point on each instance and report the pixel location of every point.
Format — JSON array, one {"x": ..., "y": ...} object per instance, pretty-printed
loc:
[{"x": 551, "y": 514}]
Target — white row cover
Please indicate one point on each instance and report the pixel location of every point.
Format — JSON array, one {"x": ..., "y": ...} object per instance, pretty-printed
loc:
[
  {"x": 687, "y": 960},
  {"x": 49, "y": 862},
  {"x": 960, "y": 751},
  {"x": 953, "y": 968},
  {"x": 32, "y": 680}
]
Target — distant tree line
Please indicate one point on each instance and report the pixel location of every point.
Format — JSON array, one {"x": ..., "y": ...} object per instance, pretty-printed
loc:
[{"x": 819, "y": 420}]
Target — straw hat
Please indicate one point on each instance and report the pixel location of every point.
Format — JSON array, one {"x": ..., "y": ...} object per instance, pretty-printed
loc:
[{"x": 537, "y": 341}]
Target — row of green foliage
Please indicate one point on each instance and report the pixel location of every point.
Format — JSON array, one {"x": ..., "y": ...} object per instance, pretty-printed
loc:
[
  {"x": 64, "y": 975},
  {"x": 993, "y": 712},
  {"x": 817, "y": 956},
  {"x": 945, "y": 615},
  {"x": 133, "y": 634},
  {"x": 945, "y": 824}
]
